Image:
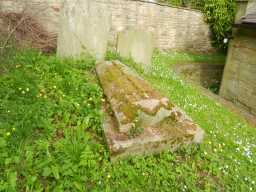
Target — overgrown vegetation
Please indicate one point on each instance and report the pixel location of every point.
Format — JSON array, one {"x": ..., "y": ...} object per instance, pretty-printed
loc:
[
  {"x": 51, "y": 137},
  {"x": 45, "y": 107},
  {"x": 219, "y": 14},
  {"x": 25, "y": 29}
]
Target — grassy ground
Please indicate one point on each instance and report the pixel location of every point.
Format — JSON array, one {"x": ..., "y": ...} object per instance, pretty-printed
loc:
[
  {"x": 51, "y": 137},
  {"x": 173, "y": 58}
]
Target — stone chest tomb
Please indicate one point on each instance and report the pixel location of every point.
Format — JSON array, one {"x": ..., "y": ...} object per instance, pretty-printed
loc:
[{"x": 138, "y": 119}]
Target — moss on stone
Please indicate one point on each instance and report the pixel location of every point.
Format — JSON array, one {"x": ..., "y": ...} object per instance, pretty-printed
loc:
[{"x": 127, "y": 90}]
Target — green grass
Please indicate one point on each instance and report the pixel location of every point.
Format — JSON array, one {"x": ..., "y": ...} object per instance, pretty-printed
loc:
[
  {"x": 173, "y": 58},
  {"x": 51, "y": 137}
]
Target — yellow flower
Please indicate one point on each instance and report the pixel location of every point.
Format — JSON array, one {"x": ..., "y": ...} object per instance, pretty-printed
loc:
[
  {"x": 13, "y": 129},
  {"x": 8, "y": 134}
]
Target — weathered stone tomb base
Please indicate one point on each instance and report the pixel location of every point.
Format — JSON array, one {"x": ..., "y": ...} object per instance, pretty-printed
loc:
[
  {"x": 138, "y": 120},
  {"x": 151, "y": 141}
]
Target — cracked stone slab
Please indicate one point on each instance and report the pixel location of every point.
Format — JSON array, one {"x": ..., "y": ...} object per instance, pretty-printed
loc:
[{"x": 138, "y": 119}]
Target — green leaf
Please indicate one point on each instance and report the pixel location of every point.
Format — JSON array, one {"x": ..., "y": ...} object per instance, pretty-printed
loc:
[
  {"x": 55, "y": 172},
  {"x": 78, "y": 186},
  {"x": 47, "y": 171},
  {"x": 12, "y": 177},
  {"x": 2, "y": 142}
]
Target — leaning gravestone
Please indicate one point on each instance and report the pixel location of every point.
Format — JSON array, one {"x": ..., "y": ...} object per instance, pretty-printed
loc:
[
  {"x": 136, "y": 44},
  {"x": 84, "y": 28},
  {"x": 138, "y": 120}
]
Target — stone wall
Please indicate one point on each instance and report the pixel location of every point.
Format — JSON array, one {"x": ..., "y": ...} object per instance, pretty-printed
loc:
[
  {"x": 173, "y": 28},
  {"x": 239, "y": 80}
]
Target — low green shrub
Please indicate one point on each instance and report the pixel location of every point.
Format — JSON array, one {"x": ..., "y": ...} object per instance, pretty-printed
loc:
[{"x": 220, "y": 15}]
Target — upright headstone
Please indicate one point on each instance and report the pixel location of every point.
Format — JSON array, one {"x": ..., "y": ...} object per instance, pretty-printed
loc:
[
  {"x": 84, "y": 28},
  {"x": 136, "y": 44}
]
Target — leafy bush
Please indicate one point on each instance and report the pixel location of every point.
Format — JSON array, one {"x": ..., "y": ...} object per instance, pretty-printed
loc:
[{"x": 220, "y": 15}]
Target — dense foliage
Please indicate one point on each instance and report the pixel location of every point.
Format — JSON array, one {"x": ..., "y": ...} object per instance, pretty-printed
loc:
[
  {"x": 51, "y": 136},
  {"x": 219, "y": 14}
]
